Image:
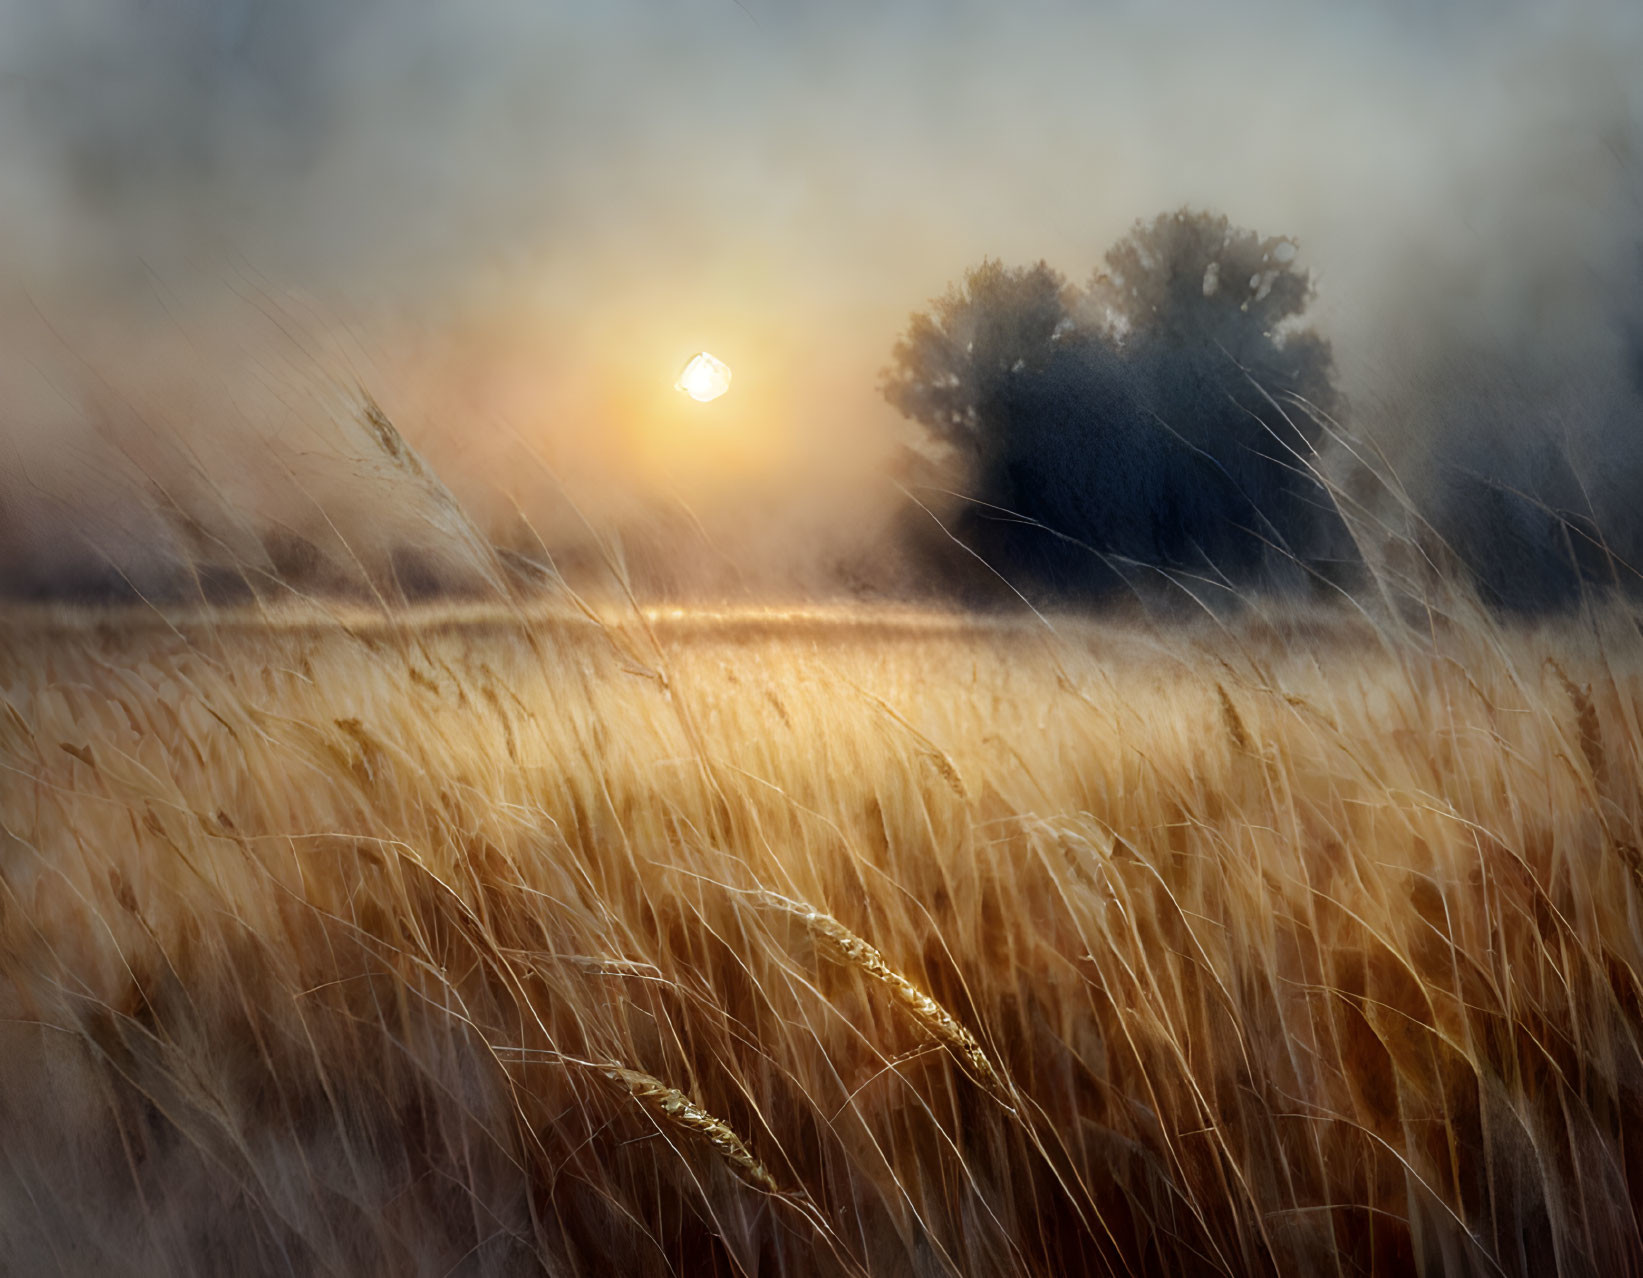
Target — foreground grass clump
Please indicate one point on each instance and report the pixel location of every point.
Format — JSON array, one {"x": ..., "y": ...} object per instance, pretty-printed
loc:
[{"x": 872, "y": 943}]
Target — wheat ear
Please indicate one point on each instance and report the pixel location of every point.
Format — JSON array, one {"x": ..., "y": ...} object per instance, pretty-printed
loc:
[
  {"x": 1586, "y": 722},
  {"x": 845, "y": 947},
  {"x": 1233, "y": 720},
  {"x": 671, "y": 1106}
]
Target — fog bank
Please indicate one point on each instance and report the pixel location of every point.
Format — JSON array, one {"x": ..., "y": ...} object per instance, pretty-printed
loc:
[{"x": 229, "y": 223}]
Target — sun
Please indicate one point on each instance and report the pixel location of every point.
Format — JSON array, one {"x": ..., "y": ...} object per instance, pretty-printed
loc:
[{"x": 704, "y": 377}]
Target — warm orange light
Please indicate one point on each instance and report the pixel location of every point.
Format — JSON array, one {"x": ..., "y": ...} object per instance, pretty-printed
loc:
[{"x": 704, "y": 378}]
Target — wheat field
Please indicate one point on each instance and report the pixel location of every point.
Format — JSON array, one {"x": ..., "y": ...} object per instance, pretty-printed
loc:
[{"x": 489, "y": 942}]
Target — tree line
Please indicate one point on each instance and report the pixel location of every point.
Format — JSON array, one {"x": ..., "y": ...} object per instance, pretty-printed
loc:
[{"x": 1175, "y": 416}]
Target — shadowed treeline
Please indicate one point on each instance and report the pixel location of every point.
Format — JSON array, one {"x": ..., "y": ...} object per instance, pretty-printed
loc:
[
  {"x": 1166, "y": 416},
  {"x": 1177, "y": 419}
]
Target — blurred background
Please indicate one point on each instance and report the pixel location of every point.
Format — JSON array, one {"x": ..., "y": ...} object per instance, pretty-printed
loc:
[{"x": 234, "y": 225}]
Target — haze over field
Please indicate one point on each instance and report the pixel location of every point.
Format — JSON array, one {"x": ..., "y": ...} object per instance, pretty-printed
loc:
[
  {"x": 906, "y": 639},
  {"x": 510, "y": 224}
]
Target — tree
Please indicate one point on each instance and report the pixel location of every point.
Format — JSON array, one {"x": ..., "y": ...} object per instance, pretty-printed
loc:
[
  {"x": 953, "y": 359},
  {"x": 1209, "y": 317},
  {"x": 1164, "y": 416},
  {"x": 1192, "y": 280}
]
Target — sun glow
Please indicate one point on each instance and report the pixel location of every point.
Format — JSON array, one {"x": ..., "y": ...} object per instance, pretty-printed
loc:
[{"x": 704, "y": 378}]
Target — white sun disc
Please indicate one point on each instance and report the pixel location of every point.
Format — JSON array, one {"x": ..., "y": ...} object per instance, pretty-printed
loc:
[{"x": 704, "y": 377}]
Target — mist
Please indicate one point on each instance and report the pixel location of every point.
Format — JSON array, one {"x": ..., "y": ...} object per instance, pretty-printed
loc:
[{"x": 232, "y": 224}]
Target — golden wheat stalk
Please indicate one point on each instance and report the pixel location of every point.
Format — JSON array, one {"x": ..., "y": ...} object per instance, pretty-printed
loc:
[
  {"x": 850, "y": 950},
  {"x": 1233, "y": 720},
  {"x": 671, "y": 1106},
  {"x": 1586, "y": 721}
]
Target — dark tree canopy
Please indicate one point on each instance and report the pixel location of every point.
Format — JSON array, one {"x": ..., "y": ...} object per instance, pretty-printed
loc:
[
  {"x": 1165, "y": 416},
  {"x": 951, "y": 359},
  {"x": 1190, "y": 280}
]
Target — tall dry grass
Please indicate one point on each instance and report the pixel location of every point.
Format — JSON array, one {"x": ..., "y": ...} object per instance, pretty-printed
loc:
[{"x": 692, "y": 945}]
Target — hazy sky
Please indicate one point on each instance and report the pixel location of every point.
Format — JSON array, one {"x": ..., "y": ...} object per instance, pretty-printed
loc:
[{"x": 518, "y": 217}]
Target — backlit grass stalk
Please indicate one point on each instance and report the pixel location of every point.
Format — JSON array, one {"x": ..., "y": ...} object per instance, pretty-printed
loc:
[{"x": 844, "y": 947}]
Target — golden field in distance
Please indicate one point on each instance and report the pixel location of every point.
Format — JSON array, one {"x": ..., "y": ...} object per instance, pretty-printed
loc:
[{"x": 473, "y": 942}]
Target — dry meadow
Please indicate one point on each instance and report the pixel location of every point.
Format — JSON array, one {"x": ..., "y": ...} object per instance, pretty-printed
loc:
[{"x": 468, "y": 942}]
